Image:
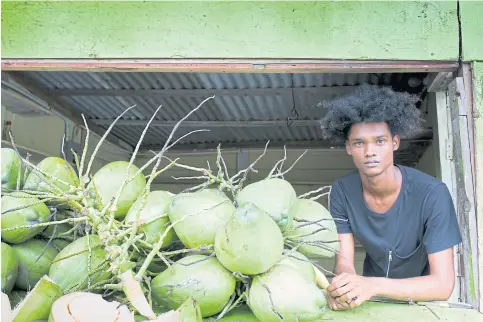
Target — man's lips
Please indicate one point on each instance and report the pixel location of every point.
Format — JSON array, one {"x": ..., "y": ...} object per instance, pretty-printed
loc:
[{"x": 371, "y": 162}]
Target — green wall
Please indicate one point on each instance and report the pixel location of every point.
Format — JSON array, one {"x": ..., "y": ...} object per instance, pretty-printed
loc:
[
  {"x": 326, "y": 30},
  {"x": 472, "y": 30}
]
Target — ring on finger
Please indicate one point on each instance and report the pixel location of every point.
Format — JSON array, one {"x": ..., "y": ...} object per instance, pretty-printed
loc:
[{"x": 352, "y": 300}]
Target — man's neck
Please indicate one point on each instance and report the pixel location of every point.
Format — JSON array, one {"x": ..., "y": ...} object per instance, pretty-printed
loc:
[{"x": 383, "y": 185}]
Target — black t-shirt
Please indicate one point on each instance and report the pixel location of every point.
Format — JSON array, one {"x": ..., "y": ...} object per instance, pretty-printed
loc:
[{"x": 397, "y": 243}]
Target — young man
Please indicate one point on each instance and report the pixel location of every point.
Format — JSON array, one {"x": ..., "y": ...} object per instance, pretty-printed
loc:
[{"x": 404, "y": 218}]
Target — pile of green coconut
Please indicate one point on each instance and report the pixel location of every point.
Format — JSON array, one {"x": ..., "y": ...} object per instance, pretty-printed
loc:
[{"x": 104, "y": 246}]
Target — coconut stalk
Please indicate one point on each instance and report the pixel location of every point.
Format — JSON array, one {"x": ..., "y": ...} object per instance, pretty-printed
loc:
[
  {"x": 235, "y": 184},
  {"x": 130, "y": 257},
  {"x": 122, "y": 243},
  {"x": 222, "y": 178}
]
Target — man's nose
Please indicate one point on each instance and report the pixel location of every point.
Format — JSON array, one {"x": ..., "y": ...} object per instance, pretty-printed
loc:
[{"x": 369, "y": 150}]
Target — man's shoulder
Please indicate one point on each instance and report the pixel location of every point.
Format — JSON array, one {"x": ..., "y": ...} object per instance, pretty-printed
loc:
[
  {"x": 419, "y": 180},
  {"x": 348, "y": 180}
]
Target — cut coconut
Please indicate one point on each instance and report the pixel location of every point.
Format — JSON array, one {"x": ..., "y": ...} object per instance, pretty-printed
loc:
[
  {"x": 88, "y": 307},
  {"x": 33, "y": 212},
  {"x": 320, "y": 279},
  {"x": 9, "y": 268},
  {"x": 250, "y": 243},
  {"x": 197, "y": 216},
  {"x": 313, "y": 227},
  {"x": 36, "y": 305},
  {"x": 6, "y": 308},
  {"x": 135, "y": 295},
  {"x": 274, "y": 196}
]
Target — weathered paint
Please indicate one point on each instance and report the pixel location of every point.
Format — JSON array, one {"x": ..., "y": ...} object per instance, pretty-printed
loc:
[
  {"x": 478, "y": 128},
  {"x": 472, "y": 30},
  {"x": 464, "y": 191},
  {"x": 207, "y": 66},
  {"x": 324, "y": 30}
]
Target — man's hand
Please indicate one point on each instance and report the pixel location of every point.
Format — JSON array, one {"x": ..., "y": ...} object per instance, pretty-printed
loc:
[
  {"x": 350, "y": 290},
  {"x": 335, "y": 305}
]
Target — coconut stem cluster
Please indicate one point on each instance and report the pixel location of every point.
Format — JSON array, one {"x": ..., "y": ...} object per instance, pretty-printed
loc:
[{"x": 121, "y": 261}]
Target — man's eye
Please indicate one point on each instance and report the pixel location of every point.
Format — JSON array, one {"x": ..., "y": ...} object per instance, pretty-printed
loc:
[
  {"x": 380, "y": 141},
  {"x": 358, "y": 143}
]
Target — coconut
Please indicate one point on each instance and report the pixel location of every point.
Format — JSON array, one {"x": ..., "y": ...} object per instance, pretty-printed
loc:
[
  {"x": 70, "y": 267},
  {"x": 153, "y": 218},
  {"x": 72, "y": 307},
  {"x": 31, "y": 265},
  {"x": 108, "y": 180},
  {"x": 282, "y": 293},
  {"x": 241, "y": 313},
  {"x": 274, "y": 196},
  {"x": 35, "y": 213},
  {"x": 36, "y": 305},
  {"x": 300, "y": 263},
  {"x": 250, "y": 243},
  {"x": 198, "y": 276},
  {"x": 56, "y": 167},
  {"x": 55, "y": 232},
  {"x": 11, "y": 169},
  {"x": 313, "y": 225},
  {"x": 9, "y": 268},
  {"x": 197, "y": 216}
]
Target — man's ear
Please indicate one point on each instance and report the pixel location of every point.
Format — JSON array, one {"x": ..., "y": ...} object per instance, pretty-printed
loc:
[
  {"x": 348, "y": 147},
  {"x": 396, "y": 140}
]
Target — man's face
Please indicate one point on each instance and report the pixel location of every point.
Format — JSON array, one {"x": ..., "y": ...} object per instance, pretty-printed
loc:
[{"x": 371, "y": 146}]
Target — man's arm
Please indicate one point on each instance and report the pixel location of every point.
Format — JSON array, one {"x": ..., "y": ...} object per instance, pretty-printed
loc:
[
  {"x": 438, "y": 285},
  {"x": 344, "y": 259},
  {"x": 344, "y": 264}
]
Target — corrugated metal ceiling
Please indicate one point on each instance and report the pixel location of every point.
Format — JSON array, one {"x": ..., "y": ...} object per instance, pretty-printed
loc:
[
  {"x": 146, "y": 80},
  {"x": 288, "y": 103}
]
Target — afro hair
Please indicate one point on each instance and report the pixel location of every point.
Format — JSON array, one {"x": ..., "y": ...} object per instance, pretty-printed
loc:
[{"x": 371, "y": 103}]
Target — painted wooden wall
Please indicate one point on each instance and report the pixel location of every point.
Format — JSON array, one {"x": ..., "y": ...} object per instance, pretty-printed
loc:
[{"x": 330, "y": 30}]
